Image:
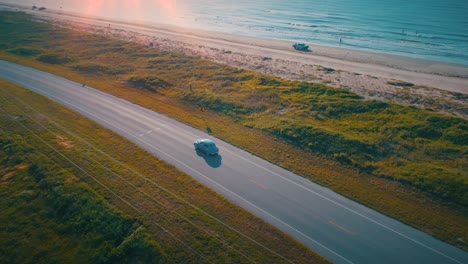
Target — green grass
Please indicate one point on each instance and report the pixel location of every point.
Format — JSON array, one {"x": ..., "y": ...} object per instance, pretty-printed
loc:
[
  {"x": 73, "y": 174},
  {"x": 403, "y": 161},
  {"x": 50, "y": 216}
]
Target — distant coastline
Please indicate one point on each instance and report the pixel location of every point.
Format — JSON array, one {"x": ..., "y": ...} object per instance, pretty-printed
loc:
[
  {"x": 353, "y": 55},
  {"x": 413, "y": 29},
  {"x": 372, "y": 75}
]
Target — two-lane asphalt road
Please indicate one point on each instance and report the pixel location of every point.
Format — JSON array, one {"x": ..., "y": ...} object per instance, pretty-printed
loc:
[{"x": 339, "y": 229}]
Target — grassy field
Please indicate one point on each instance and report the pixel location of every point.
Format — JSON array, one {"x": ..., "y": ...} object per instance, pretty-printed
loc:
[
  {"x": 405, "y": 162},
  {"x": 67, "y": 181},
  {"x": 48, "y": 214}
]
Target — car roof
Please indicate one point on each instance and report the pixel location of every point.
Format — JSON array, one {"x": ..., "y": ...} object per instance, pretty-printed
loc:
[{"x": 209, "y": 141}]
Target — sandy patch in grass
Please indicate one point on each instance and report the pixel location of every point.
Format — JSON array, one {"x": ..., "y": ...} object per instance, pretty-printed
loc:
[{"x": 63, "y": 142}]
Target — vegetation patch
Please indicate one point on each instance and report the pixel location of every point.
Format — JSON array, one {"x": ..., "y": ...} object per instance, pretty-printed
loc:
[
  {"x": 212, "y": 102},
  {"x": 54, "y": 58},
  {"x": 269, "y": 81},
  {"x": 91, "y": 68},
  {"x": 50, "y": 215},
  {"x": 24, "y": 51},
  {"x": 150, "y": 83},
  {"x": 400, "y": 83}
]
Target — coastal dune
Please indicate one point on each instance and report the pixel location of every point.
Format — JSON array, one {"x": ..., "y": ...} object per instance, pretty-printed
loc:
[{"x": 408, "y": 81}]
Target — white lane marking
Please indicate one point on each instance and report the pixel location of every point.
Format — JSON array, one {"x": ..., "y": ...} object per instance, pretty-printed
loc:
[
  {"x": 150, "y": 131},
  {"x": 204, "y": 176}
]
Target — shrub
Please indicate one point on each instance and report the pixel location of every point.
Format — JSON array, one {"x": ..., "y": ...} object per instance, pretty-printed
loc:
[
  {"x": 25, "y": 51},
  {"x": 400, "y": 83},
  {"x": 91, "y": 68},
  {"x": 150, "y": 83},
  {"x": 53, "y": 58},
  {"x": 270, "y": 81}
]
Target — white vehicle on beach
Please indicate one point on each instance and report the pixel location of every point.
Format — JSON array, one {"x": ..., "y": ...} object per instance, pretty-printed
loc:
[{"x": 300, "y": 46}]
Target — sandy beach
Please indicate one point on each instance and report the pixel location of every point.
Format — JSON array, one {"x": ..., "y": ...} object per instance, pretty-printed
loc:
[{"x": 408, "y": 81}]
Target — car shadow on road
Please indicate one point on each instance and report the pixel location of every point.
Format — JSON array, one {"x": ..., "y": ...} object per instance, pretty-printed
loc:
[{"x": 212, "y": 160}]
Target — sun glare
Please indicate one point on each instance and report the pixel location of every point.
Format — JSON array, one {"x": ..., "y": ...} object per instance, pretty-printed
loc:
[
  {"x": 167, "y": 4},
  {"x": 166, "y": 11},
  {"x": 93, "y": 6}
]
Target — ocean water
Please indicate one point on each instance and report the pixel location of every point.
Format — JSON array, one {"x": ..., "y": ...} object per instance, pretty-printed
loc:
[{"x": 429, "y": 29}]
